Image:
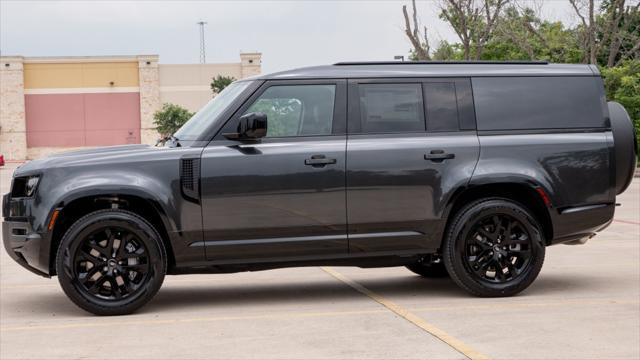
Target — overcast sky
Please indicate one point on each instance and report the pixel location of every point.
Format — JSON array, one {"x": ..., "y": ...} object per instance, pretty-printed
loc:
[{"x": 288, "y": 33}]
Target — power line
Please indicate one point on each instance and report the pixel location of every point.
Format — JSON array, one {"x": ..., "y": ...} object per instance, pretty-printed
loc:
[{"x": 203, "y": 55}]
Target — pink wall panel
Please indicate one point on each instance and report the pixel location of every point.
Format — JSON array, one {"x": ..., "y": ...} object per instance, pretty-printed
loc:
[
  {"x": 112, "y": 111},
  {"x": 61, "y": 120},
  {"x": 54, "y": 112}
]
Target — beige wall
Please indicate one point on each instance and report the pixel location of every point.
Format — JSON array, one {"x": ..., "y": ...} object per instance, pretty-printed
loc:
[
  {"x": 13, "y": 127},
  {"x": 189, "y": 85}
]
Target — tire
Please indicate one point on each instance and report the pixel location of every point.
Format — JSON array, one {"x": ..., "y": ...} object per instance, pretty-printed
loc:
[
  {"x": 494, "y": 247},
  {"x": 111, "y": 262},
  {"x": 429, "y": 269}
]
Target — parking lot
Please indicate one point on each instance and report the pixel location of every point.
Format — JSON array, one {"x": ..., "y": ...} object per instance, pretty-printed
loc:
[{"x": 584, "y": 305}]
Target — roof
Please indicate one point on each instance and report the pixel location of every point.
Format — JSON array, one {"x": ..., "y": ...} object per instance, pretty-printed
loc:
[{"x": 434, "y": 69}]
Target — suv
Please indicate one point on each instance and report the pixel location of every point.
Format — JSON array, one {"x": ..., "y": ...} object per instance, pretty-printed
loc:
[{"x": 463, "y": 169}]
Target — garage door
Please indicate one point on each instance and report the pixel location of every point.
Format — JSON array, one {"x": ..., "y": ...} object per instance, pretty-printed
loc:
[{"x": 82, "y": 104}]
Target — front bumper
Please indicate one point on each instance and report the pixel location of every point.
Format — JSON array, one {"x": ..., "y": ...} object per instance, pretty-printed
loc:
[{"x": 23, "y": 244}]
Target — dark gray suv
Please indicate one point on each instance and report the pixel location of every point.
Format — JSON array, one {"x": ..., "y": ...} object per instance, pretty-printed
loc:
[{"x": 462, "y": 169}]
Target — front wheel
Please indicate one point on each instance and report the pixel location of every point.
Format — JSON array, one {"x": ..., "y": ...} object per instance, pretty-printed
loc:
[
  {"x": 111, "y": 262},
  {"x": 494, "y": 247}
]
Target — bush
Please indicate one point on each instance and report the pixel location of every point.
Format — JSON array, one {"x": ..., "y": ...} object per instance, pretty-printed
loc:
[
  {"x": 622, "y": 84},
  {"x": 170, "y": 118}
]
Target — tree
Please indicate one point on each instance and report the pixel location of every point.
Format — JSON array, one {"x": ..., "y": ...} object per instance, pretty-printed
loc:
[
  {"x": 520, "y": 34},
  {"x": 585, "y": 10},
  {"x": 170, "y": 118},
  {"x": 447, "y": 51},
  {"x": 622, "y": 84},
  {"x": 474, "y": 21},
  {"x": 619, "y": 32},
  {"x": 609, "y": 32},
  {"x": 420, "y": 42},
  {"x": 220, "y": 82}
]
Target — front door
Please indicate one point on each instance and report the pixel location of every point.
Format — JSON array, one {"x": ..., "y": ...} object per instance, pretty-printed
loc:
[{"x": 283, "y": 195}]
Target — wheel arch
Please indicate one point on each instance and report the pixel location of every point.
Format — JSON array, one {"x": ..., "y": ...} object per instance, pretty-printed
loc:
[
  {"x": 77, "y": 205},
  {"x": 527, "y": 193}
]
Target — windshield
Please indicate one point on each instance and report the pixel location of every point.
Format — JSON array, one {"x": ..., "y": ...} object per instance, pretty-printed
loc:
[{"x": 210, "y": 113}]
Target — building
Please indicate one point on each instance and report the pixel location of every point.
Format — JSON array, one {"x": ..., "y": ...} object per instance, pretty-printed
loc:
[{"x": 49, "y": 104}]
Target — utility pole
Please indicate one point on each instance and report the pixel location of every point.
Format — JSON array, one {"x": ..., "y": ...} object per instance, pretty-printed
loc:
[{"x": 203, "y": 56}]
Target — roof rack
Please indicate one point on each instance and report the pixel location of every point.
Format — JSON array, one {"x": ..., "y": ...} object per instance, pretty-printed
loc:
[{"x": 474, "y": 62}]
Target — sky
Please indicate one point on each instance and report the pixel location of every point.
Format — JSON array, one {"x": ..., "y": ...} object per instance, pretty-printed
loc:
[{"x": 289, "y": 34}]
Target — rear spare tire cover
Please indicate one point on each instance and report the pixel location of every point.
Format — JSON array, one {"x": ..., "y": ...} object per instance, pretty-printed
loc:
[{"x": 625, "y": 144}]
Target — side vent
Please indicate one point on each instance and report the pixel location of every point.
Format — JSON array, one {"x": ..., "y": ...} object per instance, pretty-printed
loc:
[{"x": 190, "y": 178}]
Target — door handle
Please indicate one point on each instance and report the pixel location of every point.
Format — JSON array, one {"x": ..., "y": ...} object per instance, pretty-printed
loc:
[
  {"x": 438, "y": 156},
  {"x": 319, "y": 161}
]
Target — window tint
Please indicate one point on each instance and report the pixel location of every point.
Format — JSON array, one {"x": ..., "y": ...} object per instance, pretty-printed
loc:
[
  {"x": 537, "y": 103},
  {"x": 297, "y": 110},
  {"x": 391, "y": 108},
  {"x": 442, "y": 108}
]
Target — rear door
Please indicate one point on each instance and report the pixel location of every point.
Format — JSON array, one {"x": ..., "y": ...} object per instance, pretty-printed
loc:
[
  {"x": 411, "y": 144},
  {"x": 284, "y": 195}
]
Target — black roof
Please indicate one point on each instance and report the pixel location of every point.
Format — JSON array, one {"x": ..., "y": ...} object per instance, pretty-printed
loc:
[{"x": 434, "y": 69}]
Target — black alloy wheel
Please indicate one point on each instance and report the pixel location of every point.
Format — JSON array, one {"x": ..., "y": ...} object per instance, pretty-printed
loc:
[
  {"x": 111, "y": 262},
  {"x": 494, "y": 247},
  {"x": 498, "y": 248}
]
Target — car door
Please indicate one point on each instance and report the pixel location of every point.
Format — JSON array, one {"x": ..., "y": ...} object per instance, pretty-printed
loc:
[
  {"x": 411, "y": 144},
  {"x": 282, "y": 196}
]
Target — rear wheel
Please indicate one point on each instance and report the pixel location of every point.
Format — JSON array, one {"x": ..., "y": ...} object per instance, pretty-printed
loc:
[
  {"x": 111, "y": 262},
  {"x": 494, "y": 247}
]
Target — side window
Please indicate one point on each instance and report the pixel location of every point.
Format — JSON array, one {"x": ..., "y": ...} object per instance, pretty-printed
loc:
[
  {"x": 552, "y": 102},
  {"x": 297, "y": 110},
  {"x": 389, "y": 108},
  {"x": 442, "y": 108}
]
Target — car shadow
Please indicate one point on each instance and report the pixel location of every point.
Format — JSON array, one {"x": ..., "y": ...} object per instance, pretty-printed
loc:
[
  {"x": 296, "y": 292},
  {"x": 189, "y": 295}
]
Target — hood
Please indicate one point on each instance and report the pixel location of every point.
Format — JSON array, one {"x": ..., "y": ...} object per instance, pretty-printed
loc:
[{"x": 107, "y": 154}]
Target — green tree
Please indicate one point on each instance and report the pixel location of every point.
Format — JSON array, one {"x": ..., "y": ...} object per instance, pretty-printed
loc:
[
  {"x": 170, "y": 118},
  {"x": 622, "y": 84},
  {"x": 521, "y": 35},
  {"x": 220, "y": 82},
  {"x": 448, "y": 51}
]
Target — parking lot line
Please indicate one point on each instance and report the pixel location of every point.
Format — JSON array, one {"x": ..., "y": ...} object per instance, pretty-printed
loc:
[{"x": 455, "y": 343}]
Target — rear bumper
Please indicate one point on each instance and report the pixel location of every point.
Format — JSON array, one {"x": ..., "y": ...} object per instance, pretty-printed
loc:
[{"x": 578, "y": 224}]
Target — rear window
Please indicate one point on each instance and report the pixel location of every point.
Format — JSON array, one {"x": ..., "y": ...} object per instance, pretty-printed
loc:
[
  {"x": 389, "y": 108},
  {"x": 519, "y": 103}
]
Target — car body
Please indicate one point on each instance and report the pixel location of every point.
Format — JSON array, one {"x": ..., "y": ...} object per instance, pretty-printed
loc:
[{"x": 363, "y": 164}]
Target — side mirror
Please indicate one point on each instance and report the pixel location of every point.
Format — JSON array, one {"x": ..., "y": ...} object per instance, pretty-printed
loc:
[{"x": 250, "y": 127}]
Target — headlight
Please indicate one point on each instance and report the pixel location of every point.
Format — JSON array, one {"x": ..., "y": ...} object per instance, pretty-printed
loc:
[
  {"x": 32, "y": 184},
  {"x": 24, "y": 186}
]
